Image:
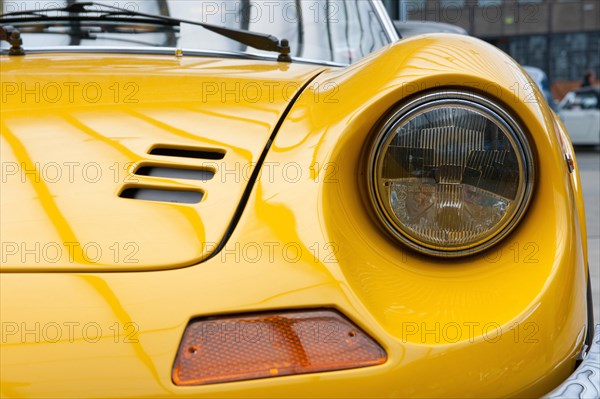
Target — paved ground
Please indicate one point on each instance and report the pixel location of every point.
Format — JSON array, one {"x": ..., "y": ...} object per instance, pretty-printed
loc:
[{"x": 589, "y": 167}]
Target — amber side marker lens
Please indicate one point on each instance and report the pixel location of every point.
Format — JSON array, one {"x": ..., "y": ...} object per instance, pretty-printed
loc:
[{"x": 262, "y": 345}]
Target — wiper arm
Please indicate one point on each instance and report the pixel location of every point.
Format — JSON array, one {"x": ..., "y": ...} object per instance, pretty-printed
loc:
[{"x": 259, "y": 41}]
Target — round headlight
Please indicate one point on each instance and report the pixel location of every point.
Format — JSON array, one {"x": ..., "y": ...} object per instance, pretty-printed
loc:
[{"x": 450, "y": 174}]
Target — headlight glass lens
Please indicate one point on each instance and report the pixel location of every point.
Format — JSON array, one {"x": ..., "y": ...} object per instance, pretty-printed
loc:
[{"x": 451, "y": 176}]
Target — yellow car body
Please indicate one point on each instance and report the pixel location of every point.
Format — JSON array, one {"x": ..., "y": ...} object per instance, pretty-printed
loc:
[{"x": 509, "y": 321}]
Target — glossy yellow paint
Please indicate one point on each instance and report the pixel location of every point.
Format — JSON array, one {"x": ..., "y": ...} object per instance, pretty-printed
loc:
[
  {"x": 569, "y": 151},
  {"x": 506, "y": 322},
  {"x": 75, "y": 129}
]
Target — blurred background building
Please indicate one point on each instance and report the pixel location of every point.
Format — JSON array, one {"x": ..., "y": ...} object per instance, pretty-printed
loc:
[{"x": 561, "y": 37}]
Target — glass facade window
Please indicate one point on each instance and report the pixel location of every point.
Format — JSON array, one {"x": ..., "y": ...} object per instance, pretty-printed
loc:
[
  {"x": 526, "y": 30},
  {"x": 529, "y": 50},
  {"x": 564, "y": 57},
  {"x": 574, "y": 53},
  {"x": 452, "y": 3},
  {"x": 414, "y": 5},
  {"x": 489, "y": 3}
]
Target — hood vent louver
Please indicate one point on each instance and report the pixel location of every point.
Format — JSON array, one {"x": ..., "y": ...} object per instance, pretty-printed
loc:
[
  {"x": 175, "y": 173},
  {"x": 164, "y": 191},
  {"x": 162, "y": 195},
  {"x": 187, "y": 153}
]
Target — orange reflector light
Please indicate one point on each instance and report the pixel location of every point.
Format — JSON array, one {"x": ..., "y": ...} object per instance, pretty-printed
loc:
[{"x": 271, "y": 344}]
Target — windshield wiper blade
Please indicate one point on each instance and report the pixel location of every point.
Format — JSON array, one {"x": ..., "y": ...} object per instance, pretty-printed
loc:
[
  {"x": 88, "y": 34},
  {"x": 259, "y": 41},
  {"x": 85, "y": 31}
]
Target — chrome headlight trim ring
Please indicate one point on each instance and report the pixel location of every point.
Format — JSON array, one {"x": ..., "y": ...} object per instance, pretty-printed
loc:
[{"x": 512, "y": 130}]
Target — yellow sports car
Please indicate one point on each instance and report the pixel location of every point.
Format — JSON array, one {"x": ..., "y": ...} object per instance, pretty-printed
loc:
[{"x": 281, "y": 199}]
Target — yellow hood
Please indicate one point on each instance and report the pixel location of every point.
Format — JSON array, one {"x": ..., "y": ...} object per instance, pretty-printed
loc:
[{"x": 86, "y": 137}]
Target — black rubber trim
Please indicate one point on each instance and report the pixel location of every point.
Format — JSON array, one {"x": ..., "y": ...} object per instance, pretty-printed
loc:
[
  {"x": 589, "y": 335},
  {"x": 170, "y": 51},
  {"x": 162, "y": 195},
  {"x": 254, "y": 177},
  {"x": 175, "y": 173},
  {"x": 186, "y": 153}
]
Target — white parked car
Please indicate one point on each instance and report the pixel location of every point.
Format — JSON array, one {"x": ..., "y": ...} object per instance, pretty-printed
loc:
[
  {"x": 541, "y": 80},
  {"x": 580, "y": 112}
]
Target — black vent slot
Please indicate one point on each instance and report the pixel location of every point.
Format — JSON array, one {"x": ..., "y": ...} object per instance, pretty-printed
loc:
[
  {"x": 187, "y": 153},
  {"x": 175, "y": 173},
  {"x": 159, "y": 195}
]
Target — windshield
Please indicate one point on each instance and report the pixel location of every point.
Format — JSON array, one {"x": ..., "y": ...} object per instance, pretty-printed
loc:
[{"x": 340, "y": 31}]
